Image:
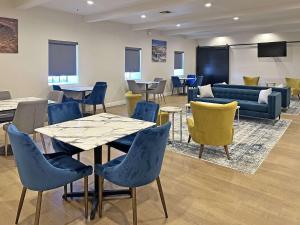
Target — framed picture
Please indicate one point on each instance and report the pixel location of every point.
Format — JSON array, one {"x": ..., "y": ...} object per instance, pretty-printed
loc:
[
  {"x": 8, "y": 35},
  {"x": 159, "y": 51}
]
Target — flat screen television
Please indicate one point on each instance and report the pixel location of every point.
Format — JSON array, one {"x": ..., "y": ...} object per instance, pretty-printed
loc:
[{"x": 272, "y": 49}]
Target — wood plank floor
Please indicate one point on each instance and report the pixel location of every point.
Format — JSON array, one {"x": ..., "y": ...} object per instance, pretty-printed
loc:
[{"x": 196, "y": 192}]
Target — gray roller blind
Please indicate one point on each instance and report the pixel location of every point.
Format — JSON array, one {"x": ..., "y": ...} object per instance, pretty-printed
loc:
[
  {"x": 62, "y": 58},
  {"x": 132, "y": 60},
  {"x": 178, "y": 60}
]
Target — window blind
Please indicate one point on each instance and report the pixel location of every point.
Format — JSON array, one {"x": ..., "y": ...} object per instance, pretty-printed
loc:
[
  {"x": 132, "y": 60},
  {"x": 178, "y": 60},
  {"x": 62, "y": 58}
]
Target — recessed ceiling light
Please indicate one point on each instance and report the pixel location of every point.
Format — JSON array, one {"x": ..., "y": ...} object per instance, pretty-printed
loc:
[
  {"x": 143, "y": 16},
  {"x": 208, "y": 5},
  {"x": 90, "y": 2},
  {"x": 178, "y": 25},
  {"x": 236, "y": 18}
]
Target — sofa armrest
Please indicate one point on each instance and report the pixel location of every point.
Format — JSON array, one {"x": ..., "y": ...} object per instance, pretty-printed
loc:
[
  {"x": 192, "y": 93},
  {"x": 274, "y": 102}
]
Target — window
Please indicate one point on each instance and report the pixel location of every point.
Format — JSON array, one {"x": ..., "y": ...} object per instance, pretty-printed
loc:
[
  {"x": 179, "y": 63},
  {"x": 63, "y": 62},
  {"x": 133, "y": 63}
]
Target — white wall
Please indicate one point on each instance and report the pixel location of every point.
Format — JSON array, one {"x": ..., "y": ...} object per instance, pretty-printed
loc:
[
  {"x": 101, "y": 52},
  {"x": 244, "y": 60}
]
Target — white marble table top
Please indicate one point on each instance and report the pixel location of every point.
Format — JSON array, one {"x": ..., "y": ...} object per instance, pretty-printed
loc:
[
  {"x": 146, "y": 82},
  {"x": 78, "y": 88},
  {"x": 171, "y": 109},
  {"x": 90, "y": 132},
  {"x": 12, "y": 104}
]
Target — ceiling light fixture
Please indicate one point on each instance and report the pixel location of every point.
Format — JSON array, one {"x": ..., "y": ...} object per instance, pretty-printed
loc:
[
  {"x": 208, "y": 5},
  {"x": 90, "y": 2},
  {"x": 143, "y": 16},
  {"x": 236, "y": 18},
  {"x": 178, "y": 25}
]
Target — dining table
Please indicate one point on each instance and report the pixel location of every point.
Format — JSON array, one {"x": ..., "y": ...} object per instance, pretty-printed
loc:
[
  {"x": 90, "y": 134},
  {"x": 147, "y": 84}
]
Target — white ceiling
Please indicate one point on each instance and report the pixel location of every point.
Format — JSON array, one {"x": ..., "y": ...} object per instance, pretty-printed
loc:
[{"x": 260, "y": 16}]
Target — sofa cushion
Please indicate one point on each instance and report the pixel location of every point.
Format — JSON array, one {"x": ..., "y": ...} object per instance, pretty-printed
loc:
[
  {"x": 253, "y": 106},
  {"x": 214, "y": 100}
]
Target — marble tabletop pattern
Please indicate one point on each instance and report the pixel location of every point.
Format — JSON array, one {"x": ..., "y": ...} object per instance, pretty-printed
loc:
[
  {"x": 146, "y": 82},
  {"x": 90, "y": 132},
  {"x": 12, "y": 104},
  {"x": 78, "y": 89}
]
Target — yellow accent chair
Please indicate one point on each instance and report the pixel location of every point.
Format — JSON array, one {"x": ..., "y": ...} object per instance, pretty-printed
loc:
[
  {"x": 251, "y": 81},
  {"x": 131, "y": 101},
  {"x": 294, "y": 84},
  {"x": 162, "y": 118},
  {"x": 212, "y": 124}
]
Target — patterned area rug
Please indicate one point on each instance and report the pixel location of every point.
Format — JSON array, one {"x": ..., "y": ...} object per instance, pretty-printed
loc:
[
  {"x": 294, "y": 108},
  {"x": 253, "y": 140}
]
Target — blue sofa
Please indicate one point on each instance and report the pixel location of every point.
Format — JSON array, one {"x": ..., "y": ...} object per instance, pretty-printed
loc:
[
  {"x": 285, "y": 91},
  {"x": 247, "y": 100}
]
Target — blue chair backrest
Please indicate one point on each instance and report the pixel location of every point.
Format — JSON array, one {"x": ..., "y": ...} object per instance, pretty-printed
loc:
[
  {"x": 143, "y": 162},
  {"x": 56, "y": 88},
  {"x": 58, "y": 113},
  {"x": 101, "y": 83},
  {"x": 176, "y": 81},
  {"x": 191, "y": 76},
  {"x": 98, "y": 95},
  {"x": 198, "y": 81},
  {"x": 33, "y": 168},
  {"x": 146, "y": 111}
]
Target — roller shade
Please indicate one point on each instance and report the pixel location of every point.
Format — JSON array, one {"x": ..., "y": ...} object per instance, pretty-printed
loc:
[
  {"x": 178, "y": 60},
  {"x": 132, "y": 60},
  {"x": 62, "y": 58}
]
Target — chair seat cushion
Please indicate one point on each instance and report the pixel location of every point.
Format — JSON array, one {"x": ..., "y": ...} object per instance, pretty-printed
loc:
[
  {"x": 123, "y": 144},
  {"x": 252, "y": 106},
  {"x": 63, "y": 161},
  {"x": 215, "y": 100},
  {"x": 100, "y": 169}
]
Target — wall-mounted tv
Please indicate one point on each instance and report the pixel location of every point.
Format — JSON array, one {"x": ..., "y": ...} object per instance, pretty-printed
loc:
[{"x": 272, "y": 49}]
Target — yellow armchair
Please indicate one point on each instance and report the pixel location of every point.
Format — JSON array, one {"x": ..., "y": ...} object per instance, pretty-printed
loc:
[
  {"x": 131, "y": 101},
  {"x": 251, "y": 81},
  {"x": 294, "y": 84},
  {"x": 212, "y": 124}
]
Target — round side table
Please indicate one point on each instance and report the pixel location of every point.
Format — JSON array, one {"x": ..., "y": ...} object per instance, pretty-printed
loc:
[{"x": 172, "y": 110}]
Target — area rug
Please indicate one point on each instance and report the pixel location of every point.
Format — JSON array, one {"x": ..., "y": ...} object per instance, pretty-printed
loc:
[
  {"x": 253, "y": 140},
  {"x": 294, "y": 108}
]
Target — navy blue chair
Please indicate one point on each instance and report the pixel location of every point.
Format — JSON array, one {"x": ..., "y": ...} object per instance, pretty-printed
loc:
[
  {"x": 101, "y": 83},
  {"x": 198, "y": 82},
  {"x": 191, "y": 80},
  {"x": 176, "y": 83},
  {"x": 41, "y": 173},
  {"x": 139, "y": 167},
  {"x": 58, "y": 113},
  {"x": 65, "y": 98},
  {"x": 96, "y": 97},
  {"x": 146, "y": 111}
]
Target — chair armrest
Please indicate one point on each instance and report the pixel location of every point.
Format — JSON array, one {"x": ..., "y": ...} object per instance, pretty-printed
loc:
[
  {"x": 192, "y": 93},
  {"x": 274, "y": 102}
]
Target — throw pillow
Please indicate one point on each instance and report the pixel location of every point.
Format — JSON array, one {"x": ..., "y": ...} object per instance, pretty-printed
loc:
[
  {"x": 264, "y": 95},
  {"x": 206, "y": 91}
]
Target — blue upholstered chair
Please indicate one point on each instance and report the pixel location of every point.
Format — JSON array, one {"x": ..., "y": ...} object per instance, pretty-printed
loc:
[
  {"x": 176, "y": 83},
  {"x": 191, "y": 80},
  {"x": 198, "y": 82},
  {"x": 58, "y": 113},
  {"x": 101, "y": 83},
  {"x": 146, "y": 111},
  {"x": 65, "y": 98},
  {"x": 139, "y": 167},
  {"x": 96, "y": 97},
  {"x": 44, "y": 172}
]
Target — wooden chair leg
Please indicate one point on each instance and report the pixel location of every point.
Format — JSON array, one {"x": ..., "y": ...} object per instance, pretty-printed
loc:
[
  {"x": 164, "y": 98},
  {"x": 108, "y": 153},
  {"x": 65, "y": 192},
  {"x": 21, "y": 204},
  {"x": 86, "y": 197},
  {"x": 34, "y": 136},
  {"x": 227, "y": 152},
  {"x": 100, "y": 207},
  {"x": 134, "y": 207},
  {"x": 43, "y": 143},
  {"x": 104, "y": 108},
  {"x": 162, "y": 198},
  {"x": 94, "y": 109},
  {"x": 6, "y": 142},
  {"x": 201, "y": 151},
  {"x": 189, "y": 140},
  {"x": 38, "y": 208},
  {"x": 78, "y": 156}
]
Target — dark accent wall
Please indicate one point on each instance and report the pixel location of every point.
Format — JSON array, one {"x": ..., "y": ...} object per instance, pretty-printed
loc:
[{"x": 213, "y": 64}]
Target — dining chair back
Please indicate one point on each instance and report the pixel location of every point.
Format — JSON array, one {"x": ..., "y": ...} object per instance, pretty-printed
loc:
[
  {"x": 198, "y": 82},
  {"x": 156, "y": 79},
  {"x": 5, "y": 95},
  {"x": 134, "y": 88},
  {"x": 96, "y": 97},
  {"x": 191, "y": 80},
  {"x": 176, "y": 82},
  {"x": 146, "y": 111},
  {"x": 56, "y": 96},
  {"x": 101, "y": 83},
  {"x": 56, "y": 88}
]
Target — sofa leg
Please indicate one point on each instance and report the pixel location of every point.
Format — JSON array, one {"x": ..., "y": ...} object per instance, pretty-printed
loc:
[
  {"x": 201, "y": 151},
  {"x": 189, "y": 139},
  {"x": 227, "y": 152}
]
